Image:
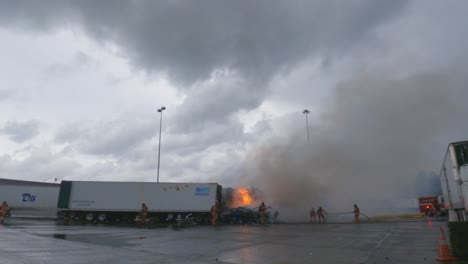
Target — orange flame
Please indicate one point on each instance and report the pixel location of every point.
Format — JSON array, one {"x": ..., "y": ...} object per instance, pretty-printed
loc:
[
  {"x": 245, "y": 195},
  {"x": 241, "y": 197}
]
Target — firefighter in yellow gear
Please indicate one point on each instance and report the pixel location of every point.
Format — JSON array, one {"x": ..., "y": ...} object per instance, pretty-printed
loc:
[
  {"x": 214, "y": 213},
  {"x": 356, "y": 212},
  {"x": 144, "y": 213},
  {"x": 4, "y": 211},
  {"x": 261, "y": 209}
]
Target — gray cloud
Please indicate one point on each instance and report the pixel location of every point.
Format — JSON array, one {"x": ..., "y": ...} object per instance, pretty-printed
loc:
[
  {"x": 210, "y": 134},
  {"x": 40, "y": 164},
  {"x": 43, "y": 164},
  {"x": 130, "y": 149},
  {"x": 107, "y": 138},
  {"x": 5, "y": 94},
  {"x": 21, "y": 131},
  {"x": 213, "y": 101},
  {"x": 71, "y": 67}
]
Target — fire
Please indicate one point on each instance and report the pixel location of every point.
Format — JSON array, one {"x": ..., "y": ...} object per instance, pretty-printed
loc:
[
  {"x": 245, "y": 195},
  {"x": 241, "y": 197}
]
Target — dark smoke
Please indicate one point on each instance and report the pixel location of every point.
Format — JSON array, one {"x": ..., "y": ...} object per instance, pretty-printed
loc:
[{"x": 375, "y": 137}]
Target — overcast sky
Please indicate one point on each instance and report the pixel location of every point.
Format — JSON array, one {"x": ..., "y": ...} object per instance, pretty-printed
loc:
[{"x": 81, "y": 82}]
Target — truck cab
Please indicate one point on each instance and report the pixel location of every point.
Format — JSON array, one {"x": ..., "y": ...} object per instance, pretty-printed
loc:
[{"x": 432, "y": 205}]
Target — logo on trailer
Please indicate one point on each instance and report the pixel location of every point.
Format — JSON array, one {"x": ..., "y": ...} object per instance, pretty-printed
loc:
[
  {"x": 202, "y": 191},
  {"x": 27, "y": 197}
]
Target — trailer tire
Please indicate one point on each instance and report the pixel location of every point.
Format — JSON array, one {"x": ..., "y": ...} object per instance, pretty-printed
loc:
[
  {"x": 89, "y": 217},
  {"x": 170, "y": 217},
  {"x": 102, "y": 217}
]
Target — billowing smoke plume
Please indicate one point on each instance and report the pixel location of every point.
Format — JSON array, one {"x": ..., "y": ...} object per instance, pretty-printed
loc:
[{"x": 377, "y": 134}]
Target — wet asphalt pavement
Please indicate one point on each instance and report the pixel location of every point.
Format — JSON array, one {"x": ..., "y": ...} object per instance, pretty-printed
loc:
[{"x": 40, "y": 241}]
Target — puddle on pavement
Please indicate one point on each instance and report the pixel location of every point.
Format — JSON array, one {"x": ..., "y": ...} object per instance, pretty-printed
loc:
[
  {"x": 59, "y": 236},
  {"x": 103, "y": 240}
]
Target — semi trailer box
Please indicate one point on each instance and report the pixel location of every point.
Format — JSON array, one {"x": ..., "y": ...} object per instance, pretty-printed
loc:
[
  {"x": 30, "y": 199},
  {"x": 107, "y": 201}
]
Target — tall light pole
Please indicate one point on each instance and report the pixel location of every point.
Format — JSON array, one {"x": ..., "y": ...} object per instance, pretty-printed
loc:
[
  {"x": 160, "y": 110},
  {"x": 306, "y": 112}
]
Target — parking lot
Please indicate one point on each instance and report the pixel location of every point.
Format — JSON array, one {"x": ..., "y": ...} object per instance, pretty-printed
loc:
[{"x": 40, "y": 241}]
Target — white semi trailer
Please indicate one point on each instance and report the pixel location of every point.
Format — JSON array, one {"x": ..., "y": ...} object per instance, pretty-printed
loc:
[
  {"x": 121, "y": 201},
  {"x": 30, "y": 199},
  {"x": 454, "y": 181}
]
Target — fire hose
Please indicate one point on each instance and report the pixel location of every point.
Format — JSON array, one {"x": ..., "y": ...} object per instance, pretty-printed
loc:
[{"x": 347, "y": 213}]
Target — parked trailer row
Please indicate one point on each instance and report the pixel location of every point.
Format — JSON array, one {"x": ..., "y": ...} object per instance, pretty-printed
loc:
[{"x": 110, "y": 201}]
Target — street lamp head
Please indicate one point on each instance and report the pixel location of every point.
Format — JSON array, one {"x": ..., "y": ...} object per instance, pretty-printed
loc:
[
  {"x": 161, "y": 109},
  {"x": 305, "y": 111}
]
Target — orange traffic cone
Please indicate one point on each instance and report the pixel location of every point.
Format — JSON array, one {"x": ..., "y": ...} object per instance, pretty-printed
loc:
[{"x": 444, "y": 249}]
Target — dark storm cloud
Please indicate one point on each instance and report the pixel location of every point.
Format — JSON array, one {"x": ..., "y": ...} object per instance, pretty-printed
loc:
[
  {"x": 189, "y": 40},
  {"x": 20, "y": 131}
]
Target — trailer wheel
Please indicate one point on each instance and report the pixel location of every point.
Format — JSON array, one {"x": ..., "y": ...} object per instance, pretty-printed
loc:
[
  {"x": 89, "y": 217},
  {"x": 198, "y": 219},
  {"x": 72, "y": 215},
  {"x": 102, "y": 217},
  {"x": 428, "y": 213},
  {"x": 169, "y": 217}
]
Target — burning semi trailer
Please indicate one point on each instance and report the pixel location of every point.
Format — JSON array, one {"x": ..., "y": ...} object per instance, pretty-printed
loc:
[
  {"x": 241, "y": 206},
  {"x": 107, "y": 202}
]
